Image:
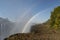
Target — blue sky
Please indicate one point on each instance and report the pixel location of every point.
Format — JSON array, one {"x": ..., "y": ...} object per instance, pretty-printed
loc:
[{"x": 14, "y": 9}]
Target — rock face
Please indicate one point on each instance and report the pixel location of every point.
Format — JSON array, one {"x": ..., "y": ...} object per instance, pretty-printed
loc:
[
  {"x": 30, "y": 36},
  {"x": 45, "y": 31}
]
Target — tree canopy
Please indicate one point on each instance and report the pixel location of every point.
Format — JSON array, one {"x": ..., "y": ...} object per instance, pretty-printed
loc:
[{"x": 55, "y": 18}]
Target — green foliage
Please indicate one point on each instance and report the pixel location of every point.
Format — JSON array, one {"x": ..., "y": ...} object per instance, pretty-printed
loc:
[{"x": 55, "y": 18}]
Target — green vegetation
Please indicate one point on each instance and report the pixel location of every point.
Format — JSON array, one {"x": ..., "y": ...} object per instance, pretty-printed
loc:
[{"x": 55, "y": 18}]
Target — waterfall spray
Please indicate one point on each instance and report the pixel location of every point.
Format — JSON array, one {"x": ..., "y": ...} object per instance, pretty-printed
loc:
[{"x": 23, "y": 31}]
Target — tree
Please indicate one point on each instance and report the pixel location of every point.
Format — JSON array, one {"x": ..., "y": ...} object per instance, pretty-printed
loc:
[{"x": 55, "y": 18}]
